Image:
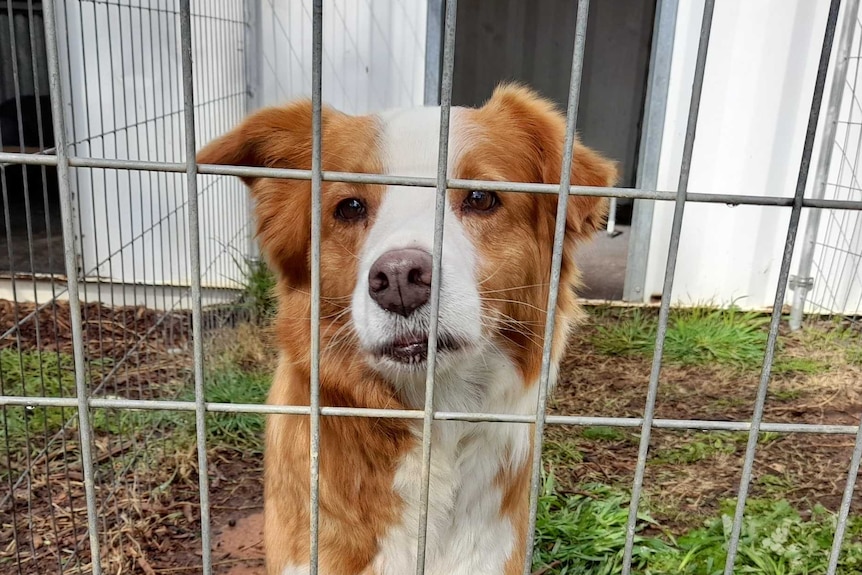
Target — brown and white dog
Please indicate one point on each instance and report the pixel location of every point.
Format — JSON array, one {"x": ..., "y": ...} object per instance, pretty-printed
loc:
[{"x": 375, "y": 276}]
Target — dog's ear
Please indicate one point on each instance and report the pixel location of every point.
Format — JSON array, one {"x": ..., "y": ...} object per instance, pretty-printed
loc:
[
  {"x": 275, "y": 138},
  {"x": 271, "y": 138},
  {"x": 541, "y": 129}
]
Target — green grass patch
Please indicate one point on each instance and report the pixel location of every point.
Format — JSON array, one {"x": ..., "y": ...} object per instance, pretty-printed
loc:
[
  {"x": 603, "y": 434},
  {"x": 242, "y": 431},
  {"x": 233, "y": 431},
  {"x": 584, "y": 534},
  {"x": 45, "y": 374},
  {"x": 699, "y": 447},
  {"x": 799, "y": 366},
  {"x": 695, "y": 336},
  {"x": 52, "y": 375},
  {"x": 563, "y": 451},
  {"x": 258, "y": 290}
]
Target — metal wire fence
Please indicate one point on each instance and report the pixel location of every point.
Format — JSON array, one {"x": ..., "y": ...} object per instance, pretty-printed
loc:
[
  {"x": 828, "y": 281},
  {"x": 145, "y": 244}
]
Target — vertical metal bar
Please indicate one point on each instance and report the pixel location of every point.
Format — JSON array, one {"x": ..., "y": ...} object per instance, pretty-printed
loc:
[
  {"x": 821, "y": 175},
  {"x": 16, "y": 83},
  {"x": 84, "y": 424},
  {"x": 781, "y": 288},
  {"x": 556, "y": 268},
  {"x": 640, "y": 234},
  {"x": 316, "y": 194},
  {"x": 667, "y": 288},
  {"x": 436, "y": 276},
  {"x": 195, "y": 257},
  {"x": 847, "y": 498}
]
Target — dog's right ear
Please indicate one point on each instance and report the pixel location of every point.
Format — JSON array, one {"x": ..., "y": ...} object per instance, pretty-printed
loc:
[
  {"x": 271, "y": 138},
  {"x": 275, "y": 138}
]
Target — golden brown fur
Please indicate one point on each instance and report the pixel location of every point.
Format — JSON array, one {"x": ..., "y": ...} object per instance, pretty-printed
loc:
[{"x": 516, "y": 137}]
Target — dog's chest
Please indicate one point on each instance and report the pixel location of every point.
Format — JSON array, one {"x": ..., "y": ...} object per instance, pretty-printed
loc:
[{"x": 468, "y": 534}]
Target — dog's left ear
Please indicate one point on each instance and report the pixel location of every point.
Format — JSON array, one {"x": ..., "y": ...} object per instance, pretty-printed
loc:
[
  {"x": 275, "y": 138},
  {"x": 542, "y": 128}
]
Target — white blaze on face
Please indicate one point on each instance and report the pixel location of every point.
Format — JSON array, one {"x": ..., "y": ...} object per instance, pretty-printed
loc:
[{"x": 405, "y": 219}]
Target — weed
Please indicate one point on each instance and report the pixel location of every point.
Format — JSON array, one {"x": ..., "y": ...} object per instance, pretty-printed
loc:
[
  {"x": 701, "y": 446},
  {"x": 766, "y": 437},
  {"x": 45, "y": 374},
  {"x": 584, "y": 533},
  {"x": 258, "y": 293},
  {"x": 602, "y": 434},
  {"x": 242, "y": 431},
  {"x": 695, "y": 336},
  {"x": 798, "y": 365},
  {"x": 562, "y": 451}
]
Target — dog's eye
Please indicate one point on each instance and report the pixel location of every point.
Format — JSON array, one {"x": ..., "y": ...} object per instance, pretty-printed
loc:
[
  {"x": 480, "y": 201},
  {"x": 350, "y": 210}
]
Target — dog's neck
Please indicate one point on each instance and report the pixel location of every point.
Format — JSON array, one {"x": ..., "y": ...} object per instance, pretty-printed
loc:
[{"x": 466, "y": 531}]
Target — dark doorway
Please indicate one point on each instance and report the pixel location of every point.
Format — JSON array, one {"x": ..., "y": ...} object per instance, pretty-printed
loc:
[
  {"x": 531, "y": 41},
  {"x": 31, "y": 239}
]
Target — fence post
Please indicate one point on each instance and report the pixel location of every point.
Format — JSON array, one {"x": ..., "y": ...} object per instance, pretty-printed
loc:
[
  {"x": 433, "y": 52},
  {"x": 252, "y": 63},
  {"x": 802, "y": 282},
  {"x": 650, "y": 149}
]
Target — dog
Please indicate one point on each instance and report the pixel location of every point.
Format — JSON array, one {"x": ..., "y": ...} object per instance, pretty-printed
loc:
[{"x": 375, "y": 273}]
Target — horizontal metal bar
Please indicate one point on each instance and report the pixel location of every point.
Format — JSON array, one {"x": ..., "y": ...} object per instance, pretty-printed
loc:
[
  {"x": 457, "y": 183},
  {"x": 575, "y": 420}
]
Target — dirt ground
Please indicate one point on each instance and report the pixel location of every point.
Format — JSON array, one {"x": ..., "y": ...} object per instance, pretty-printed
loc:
[
  {"x": 682, "y": 484},
  {"x": 151, "y": 522}
]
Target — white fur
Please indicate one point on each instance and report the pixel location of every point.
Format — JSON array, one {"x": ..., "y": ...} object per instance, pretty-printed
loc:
[
  {"x": 467, "y": 535},
  {"x": 405, "y": 219}
]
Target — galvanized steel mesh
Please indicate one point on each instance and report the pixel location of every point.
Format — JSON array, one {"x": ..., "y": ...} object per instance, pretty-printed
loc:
[{"x": 122, "y": 147}]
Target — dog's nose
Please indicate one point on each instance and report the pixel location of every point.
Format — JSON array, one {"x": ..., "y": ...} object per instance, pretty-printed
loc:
[{"x": 400, "y": 280}]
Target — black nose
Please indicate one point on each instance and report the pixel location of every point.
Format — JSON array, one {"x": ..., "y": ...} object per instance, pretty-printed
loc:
[{"x": 400, "y": 280}]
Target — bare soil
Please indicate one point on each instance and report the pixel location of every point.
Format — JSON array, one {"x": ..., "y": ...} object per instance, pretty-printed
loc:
[{"x": 150, "y": 519}]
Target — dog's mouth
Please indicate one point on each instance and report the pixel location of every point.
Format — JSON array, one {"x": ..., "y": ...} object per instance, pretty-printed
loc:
[{"x": 412, "y": 350}]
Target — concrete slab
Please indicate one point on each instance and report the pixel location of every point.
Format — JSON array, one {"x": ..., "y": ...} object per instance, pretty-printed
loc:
[{"x": 603, "y": 265}]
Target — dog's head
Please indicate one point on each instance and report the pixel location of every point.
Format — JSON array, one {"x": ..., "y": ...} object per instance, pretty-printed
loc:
[{"x": 376, "y": 241}]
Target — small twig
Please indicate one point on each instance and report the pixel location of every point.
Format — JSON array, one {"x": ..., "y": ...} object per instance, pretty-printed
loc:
[{"x": 547, "y": 567}]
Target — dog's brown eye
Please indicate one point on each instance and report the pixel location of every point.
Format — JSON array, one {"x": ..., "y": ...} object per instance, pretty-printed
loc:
[
  {"x": 350, "y": 210},
  {"x": 480, "y": 201}
]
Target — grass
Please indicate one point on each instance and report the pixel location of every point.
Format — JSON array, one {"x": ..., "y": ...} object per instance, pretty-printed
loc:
[
  {"x": 695, "y": 336},
  {"x": 46, "y": 374},
  {"x": 225, "y": 431},
  {"x": 603, "y": 434},
  {"x": 258, "y": 291},
  {"x": 584, "y": 533},
  {"x": 700, "y": 447},
  {"x": 240, "y": 431},
  {"x": 711, "y": 336},
  {"x": 52, "y": 375}
]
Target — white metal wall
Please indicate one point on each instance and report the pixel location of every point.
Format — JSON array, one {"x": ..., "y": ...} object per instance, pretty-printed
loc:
[
  {"x": 757, "y": 93},
  {"x": 373, "y": 53},
  {"x": 121, "y": 70}
]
